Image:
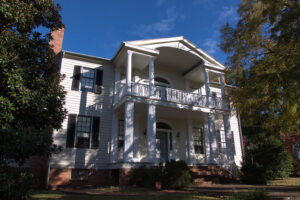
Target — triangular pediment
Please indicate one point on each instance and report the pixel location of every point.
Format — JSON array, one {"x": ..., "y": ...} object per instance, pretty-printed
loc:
[{"x": 178, "y": 43}]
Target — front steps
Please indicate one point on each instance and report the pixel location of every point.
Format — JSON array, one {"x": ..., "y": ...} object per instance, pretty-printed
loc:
[{"x": 211, "y": 174}]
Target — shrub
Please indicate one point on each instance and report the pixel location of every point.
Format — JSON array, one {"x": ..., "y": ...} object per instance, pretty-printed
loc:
[
  {"x": 177, "y": 175},
  {"x": 266, "y": 160},
  {"x": 141, "y": 177},
  {"x": 296, "y": 166},
  {"x": 255, "y": 195},
  {"x": 14, "y": 184}
]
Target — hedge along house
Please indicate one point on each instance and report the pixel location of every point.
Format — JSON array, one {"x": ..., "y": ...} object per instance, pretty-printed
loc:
[{"x": 155, "y": 100}]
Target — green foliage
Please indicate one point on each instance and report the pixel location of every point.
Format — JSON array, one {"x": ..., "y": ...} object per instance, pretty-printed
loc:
[
  {"x": 141, "y": 177},
  {"x": 14, "y": 184},
  {"x": 175, "y": 174},
  {"x": 31, "y": 99},
  {"x": 265, "y": 160},
  {"x": 296, "y": 167},
  {"x": 255, "y": 195},
  {"x": 264, "y": 60}
]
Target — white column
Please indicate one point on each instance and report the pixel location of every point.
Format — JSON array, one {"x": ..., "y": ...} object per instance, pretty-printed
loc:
[
  {"x": 191, "y": 149},
  {"x": 222, "y": 85},
  {"x": 207, "y": 144},
  {"x": 151, "y": 134},
  {"x": 117, "y": 84},
  {"x": 207, "y": 87},
  {"x": 114, "y": 138},
  {"x": 222, "y": 82},
  {"x": 213, "y": 147},
  {"x": 151, "y": 76},
  {"x": 128, "y": 72},
  {"x": 136, "y": 138},
  {"x": 128, "y": 132},
  {"x": 228, "y": 137}
]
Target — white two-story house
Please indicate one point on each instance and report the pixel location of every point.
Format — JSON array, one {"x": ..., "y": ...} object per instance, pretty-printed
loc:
[{"x": 155, "y": 100}]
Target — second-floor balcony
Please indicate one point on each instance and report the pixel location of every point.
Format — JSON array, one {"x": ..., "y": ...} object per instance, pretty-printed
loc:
[{"x": 172, "y": 95}]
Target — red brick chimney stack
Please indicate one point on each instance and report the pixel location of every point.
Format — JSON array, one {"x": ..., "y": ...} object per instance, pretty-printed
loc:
[{"x": 57, "y": 40}]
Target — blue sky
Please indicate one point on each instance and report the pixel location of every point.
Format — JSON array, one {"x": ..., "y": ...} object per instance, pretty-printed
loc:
[{"x": 97, "y": 27}]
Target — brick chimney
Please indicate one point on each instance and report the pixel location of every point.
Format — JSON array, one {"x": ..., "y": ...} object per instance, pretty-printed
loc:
[{"x": 57, "y": 40}]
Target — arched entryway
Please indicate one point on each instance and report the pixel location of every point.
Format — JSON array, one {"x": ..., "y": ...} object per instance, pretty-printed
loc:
[{"x": 164, "y": 141}]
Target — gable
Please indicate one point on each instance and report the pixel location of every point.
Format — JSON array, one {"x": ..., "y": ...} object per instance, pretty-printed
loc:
[{"x": 179, "y": 43}]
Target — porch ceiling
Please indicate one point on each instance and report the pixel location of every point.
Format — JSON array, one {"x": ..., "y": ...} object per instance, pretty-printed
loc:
[{"x": 163, "y": 112}]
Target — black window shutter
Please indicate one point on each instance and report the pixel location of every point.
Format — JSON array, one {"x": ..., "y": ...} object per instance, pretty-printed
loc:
[
  {"x": 71, "y": 131},
  {"x": 76, "y": 77},
  {"x": 95, "y": 133},
  {"x": 98, "y": 82}
]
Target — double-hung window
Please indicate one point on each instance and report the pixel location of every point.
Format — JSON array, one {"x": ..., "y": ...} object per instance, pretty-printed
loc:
[
  {"x": 121, "y": 134},
  {"x": 221, "y": 141},
  {"x": 87, "y": 79},
  {"x": 198, "y": 140},
  {"x": 83, "y": 131}
]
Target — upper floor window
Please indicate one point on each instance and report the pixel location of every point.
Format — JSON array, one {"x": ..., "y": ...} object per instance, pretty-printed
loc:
[
  {"x": 198, "y": 140},
  {"x": 87, "y": 79},
  {"x": 83, "y": 131}
]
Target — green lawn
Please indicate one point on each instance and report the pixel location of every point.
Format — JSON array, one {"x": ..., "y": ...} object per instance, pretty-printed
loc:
[
  {"x": 52, "y": 195},
  {"x": 293, "y": 181}
]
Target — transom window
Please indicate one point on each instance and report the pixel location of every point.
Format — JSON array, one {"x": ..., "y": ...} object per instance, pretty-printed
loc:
[
  {"x": 221, "y": 141},
  {"x": 159, "y": 81},
  {"x": 83, "y": 131},
  {"x": 198, "y": 140},
  {"x": 121, "y": 134},
  {"x": 87, "y": 80}
]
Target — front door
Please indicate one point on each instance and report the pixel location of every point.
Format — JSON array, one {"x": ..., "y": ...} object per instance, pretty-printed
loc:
[{"x": 162, "y": 146}]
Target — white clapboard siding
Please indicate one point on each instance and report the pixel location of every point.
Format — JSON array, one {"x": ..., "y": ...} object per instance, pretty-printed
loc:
[{"x": 86, "y": 103}]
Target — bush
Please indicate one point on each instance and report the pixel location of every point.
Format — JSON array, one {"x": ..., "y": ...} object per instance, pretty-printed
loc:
[
  {"x": 296, "y": 167},
  {"x": 255, "y": 195},
  {"x": 266, "y": 160},
  {"x": 14, "y": 184},
  {"x": 177, "y": 175},
  {"x": 141, "y": 177}
]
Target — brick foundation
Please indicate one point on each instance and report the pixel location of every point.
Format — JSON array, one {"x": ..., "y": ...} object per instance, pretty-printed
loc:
[
  {"x": 39, "y": 169},
  {"x": 96, "y": 177},
  {"x": 202, "y": 175}
]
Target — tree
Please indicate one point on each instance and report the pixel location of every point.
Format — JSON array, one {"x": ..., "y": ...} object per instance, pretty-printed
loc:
[
  {"x": 264, "y": 60},
  {"x": 266, "y": 159},
  {"x": 31, "y": 99}
]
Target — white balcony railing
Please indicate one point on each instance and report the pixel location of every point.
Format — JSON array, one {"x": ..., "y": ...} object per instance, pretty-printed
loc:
[{"x": 174, "y": 96}]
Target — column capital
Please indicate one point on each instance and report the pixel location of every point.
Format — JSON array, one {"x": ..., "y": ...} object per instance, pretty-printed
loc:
[
  {"x": 129, "y": 52},
  {"x": 152, "y": 58}
]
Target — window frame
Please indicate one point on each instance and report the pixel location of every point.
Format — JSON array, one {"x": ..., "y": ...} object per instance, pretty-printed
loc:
[
  {"x": 221, "y": 141},
  {"x": 201, "y": 140},
  {"x": 119, "y": 134},
  {"x": 90, "y": 133},
  {"x": 83, "y": 77}
]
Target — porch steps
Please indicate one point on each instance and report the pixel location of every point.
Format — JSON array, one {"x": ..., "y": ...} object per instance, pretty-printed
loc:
[{"x": 210, "y": 174}]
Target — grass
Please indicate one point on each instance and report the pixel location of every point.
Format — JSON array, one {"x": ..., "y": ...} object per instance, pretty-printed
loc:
[
  {"x": 52, "y": 195},
  {"x": 293, "y": 181}
]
